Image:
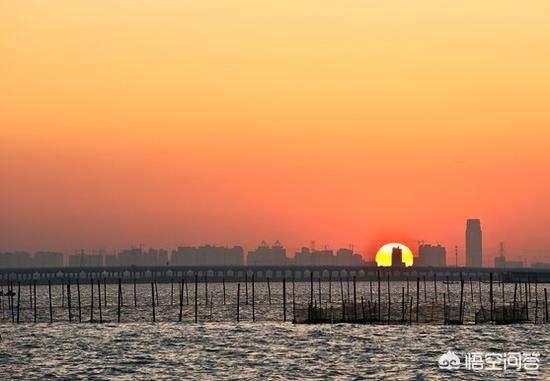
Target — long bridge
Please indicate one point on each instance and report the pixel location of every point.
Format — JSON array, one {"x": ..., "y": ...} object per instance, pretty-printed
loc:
[{"x": 237, "y": 273}]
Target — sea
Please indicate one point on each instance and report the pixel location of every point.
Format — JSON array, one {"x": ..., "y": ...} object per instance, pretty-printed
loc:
[{"x": 220, "y": 347}]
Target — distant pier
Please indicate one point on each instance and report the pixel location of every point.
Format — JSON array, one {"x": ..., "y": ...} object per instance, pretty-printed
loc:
[{"x": 164, "y": 274}]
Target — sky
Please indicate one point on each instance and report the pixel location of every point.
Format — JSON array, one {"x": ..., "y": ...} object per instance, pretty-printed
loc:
[{"x": 231, "y": 122}]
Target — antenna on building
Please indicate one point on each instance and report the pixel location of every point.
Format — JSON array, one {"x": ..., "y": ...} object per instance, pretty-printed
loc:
[{"x": 456, "y": 255}]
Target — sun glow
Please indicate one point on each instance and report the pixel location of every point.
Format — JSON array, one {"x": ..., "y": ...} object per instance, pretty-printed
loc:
[{"x": 383, "y": 256}]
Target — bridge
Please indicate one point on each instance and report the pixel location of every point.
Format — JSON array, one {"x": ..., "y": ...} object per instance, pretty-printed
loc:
[{"x": 56, "y": 275}]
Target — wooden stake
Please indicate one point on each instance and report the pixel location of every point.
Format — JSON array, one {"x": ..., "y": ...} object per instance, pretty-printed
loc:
[
  {"x": 153, "y": 300},
  {"x": 223, "y": 286},
  {"x": 536, "y": 303},
  {"x": 444, "y": 308},
  {"x": 246, "y": 288},
  {"x": 91, "y": 300},
  {"x": 69, "y": 301},
  {"x": 389, "y": 298},
  {"x": 238, "y": 300},
  {"x": 186, "y": 291},
  {"x": 196, "y": 299},
  {"x": 347, "y": 282},
  {"x": 18, "y": 299},
  {"x": 526, "y": 302},
  {"x": 135, "y": 293},
  {"x": 354, "y": 299},
  {"x": 205, "y": 289},
  {"x": 311, "y": 288},
  {"x": 471, "y": 290},
  {"x": 99, "y": 300},
  {"x": 319, "y": 289},
  {"x": 30, "y": 294},
  {"x": 293, "y": 299},
  {"x": 417, "y": 297},
  {"x": 435, "y": 286},
  {"x": 330, "y": 287},
  {"x": 410, "y": 309},
  {"x": 119, "y": 299},
  {"x": 2, "y": 300},
  {"x": 379, "y": 299},
  {"x": 180, "y": 316},
  {"x": 461, "y": 306},
  {"x": 546, "y": 305},
  {"x": 78, "y": 301},
  {"x": 491, "y": 294},
  {"x": 10, "y": 301},
  {"x": 253, "y": 300},
  {"x": 35, "y": 309},
  {"x": 268, "y": 291},
  {"x": 402, "y": 305},
  {"x": 341, "y": 289},
  {"x": 284, "y": 299},
  {"x": 171, "y": 291}
]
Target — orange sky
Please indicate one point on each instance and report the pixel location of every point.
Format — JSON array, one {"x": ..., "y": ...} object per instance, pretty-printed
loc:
[{"x": 350, "y": 122}]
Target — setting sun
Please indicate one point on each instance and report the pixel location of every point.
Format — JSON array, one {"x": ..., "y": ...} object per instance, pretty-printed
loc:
[{"x": 384, "y": 257}]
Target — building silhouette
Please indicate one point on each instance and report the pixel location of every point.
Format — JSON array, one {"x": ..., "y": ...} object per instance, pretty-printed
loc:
[
  {"x": 474, "y": 243},
  {"x": 346, "y": 257},
  {"x": 502, "y": 263},
  {"x": 18, "y": 259},
  {"x": 85, "y": 260},
  {"x": 326, "y": 257},
  {"x": 208, "y": 256},
  {"x": 48, "y": 259},
  {"x": 431, "y": 256},
  {"x": 129, "y": 257},
  {"x": 397, "y": 257},
  {"x": 266, "y": 255}
]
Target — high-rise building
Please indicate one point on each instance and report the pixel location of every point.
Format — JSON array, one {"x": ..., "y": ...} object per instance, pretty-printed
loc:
[
  {"x": 205, "y": 256},
  {"x": 474, "y": 243},
  {"x": 431, "y": 256},
  {"x": 48, "y": 259},
  {"x": 397, "y": 257},
  {"x": 265, "y": 255},
  {"x": 346, "y": 257}
]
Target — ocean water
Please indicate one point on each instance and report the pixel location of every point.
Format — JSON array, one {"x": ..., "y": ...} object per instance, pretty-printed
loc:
[
  {"x": 219, "y": 347},
  {"x": 266, "y": 350}
]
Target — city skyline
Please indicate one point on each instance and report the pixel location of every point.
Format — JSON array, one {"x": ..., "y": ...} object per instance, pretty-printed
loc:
[
  {"x": 425, "y": 255},
  {"x": 367, "y": 256}
]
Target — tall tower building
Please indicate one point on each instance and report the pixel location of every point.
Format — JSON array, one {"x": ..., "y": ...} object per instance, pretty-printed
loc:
[
  {"x": 397, "y": 257},
  {"x": 474, "y": 243}
]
